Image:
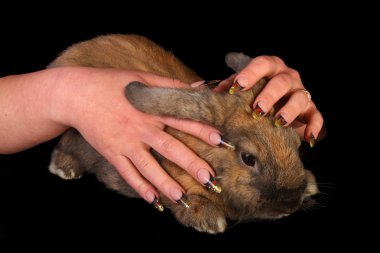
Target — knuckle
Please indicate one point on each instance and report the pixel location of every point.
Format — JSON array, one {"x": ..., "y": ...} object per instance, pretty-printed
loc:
[
  {"x": 277, "y": 60},
  {"x": 264, "y": 61},
  {"x": 143, "y": 164},
  {"x": 294, "y": 73}
]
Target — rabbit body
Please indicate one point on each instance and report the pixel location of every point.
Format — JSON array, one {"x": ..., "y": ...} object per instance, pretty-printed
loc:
[{"x": 262, "y": 178}]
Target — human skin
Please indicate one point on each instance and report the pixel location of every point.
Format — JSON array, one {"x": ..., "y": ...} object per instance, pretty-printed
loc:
[{"x": 39, "y": 106}]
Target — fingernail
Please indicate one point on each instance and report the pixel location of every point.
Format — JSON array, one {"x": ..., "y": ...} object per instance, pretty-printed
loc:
[
  {"x": 183, "y": 201},
  {"x": 312, "y": 140},
  {"x": 209, "y": 181},
  {"x": 258, "y": 112},
  {"x": 157, "y": 204},
  {"x": 280, "y": 121},
  {"x": 239, "y": 84},
  {"x": 197, "y": 83},
  {"x": 151, "y": 198},
  {"x": 242, "y": 81},
  {"x": 180, "y": 198},
  {"x": 218, "y": 140},
  {"x": 234, "y": 88}
]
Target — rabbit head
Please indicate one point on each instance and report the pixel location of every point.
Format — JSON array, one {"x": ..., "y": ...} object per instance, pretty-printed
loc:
[{"x": 263, "y": 177}]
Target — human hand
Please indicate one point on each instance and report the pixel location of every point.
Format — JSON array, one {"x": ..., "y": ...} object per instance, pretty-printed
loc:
[
  {"x": 95, "y": 104},
  {"x": 299, "y": 111}
]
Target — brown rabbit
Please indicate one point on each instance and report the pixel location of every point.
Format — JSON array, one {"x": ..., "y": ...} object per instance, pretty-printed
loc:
[{"x": 263, "y": 177}]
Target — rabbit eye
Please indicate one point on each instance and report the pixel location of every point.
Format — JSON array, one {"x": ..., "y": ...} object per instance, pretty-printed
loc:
[{"x": 248, "y": 159}]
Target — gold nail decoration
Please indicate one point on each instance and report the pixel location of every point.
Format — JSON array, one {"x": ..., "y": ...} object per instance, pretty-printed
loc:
[
  {"x": 234, "y": 88},
  {"x": 312, "y": 140},
  {"x": 280, "y": 121},
  {"x": 157, "y": 204},
  {"x": 226, "y": 144},
  {"x": 183, "y": 201},
  {"x": 213, "y": 185},
  {"x": 257, "y": 112}
]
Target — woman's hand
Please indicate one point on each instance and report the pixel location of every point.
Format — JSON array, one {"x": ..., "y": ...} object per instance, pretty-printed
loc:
[
  {"x": 38, "y": 106},
  {"x": 299, "y": 110}
]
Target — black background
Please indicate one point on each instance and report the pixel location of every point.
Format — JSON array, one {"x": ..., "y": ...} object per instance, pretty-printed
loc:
[{"x": 335, "y": 53}]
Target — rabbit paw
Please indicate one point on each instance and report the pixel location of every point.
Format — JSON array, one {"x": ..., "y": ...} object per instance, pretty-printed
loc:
[
  {"x": 202, "y": 215},
  {"x": 64, "y": 166}
]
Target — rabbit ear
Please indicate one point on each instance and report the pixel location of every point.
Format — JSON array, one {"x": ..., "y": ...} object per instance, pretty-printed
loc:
[
  {"x": 237, "y": 61},
  {"x": 202, "y": 105}
]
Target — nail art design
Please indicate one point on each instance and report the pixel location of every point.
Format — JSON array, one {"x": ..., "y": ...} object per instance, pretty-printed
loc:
[
  {"x": 157, "y": 204},
  {"x": 280, "y": 121},
  {"x": 183, "y": 201},
  {"x": 312, "y": 140},
  {"x": 234, "y": 88},
  {"x": 226, "y": 144},
  {"x": 257, "y": 112},
  {"x": 213, "y": 185}
]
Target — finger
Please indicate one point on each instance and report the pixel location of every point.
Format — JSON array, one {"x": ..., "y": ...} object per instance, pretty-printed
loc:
[
  {"x": 177, "y": 152},
  {"x": 206, "y": 133},
  {"x": 154, "y": 173},
  {"x": 129, "y": 173},
  {"x": 296, "y": 104},
  {"x": 259, "y": 67},
  {"x": 159, "y": 81},
  {"x": 273, "y": 91},
  {"x": 314, "y": 121}
]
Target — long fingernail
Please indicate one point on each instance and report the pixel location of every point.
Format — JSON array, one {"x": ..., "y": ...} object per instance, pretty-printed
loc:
[
  {"x": 209, "y": 181},
  {"x": 157, "y": 204},
  {"x": 180, "y": 198},
  {"x": 218, "y": 140},
  {"x": 183, "y": 201},
  {"x": 238, "y": 85},
  {"x": 312, "y": 140},
  {"x": 280, "y": 121},
  {"x": 151, "y": 198},
  {"x": 235, "y": 88},
  {"x": 258, "y": 112}
]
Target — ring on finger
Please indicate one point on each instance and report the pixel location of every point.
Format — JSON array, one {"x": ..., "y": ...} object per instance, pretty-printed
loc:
[{"x": 306, "y": 92}]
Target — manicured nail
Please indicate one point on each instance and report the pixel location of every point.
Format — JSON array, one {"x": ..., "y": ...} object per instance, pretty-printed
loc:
[
  {"x": 312, "y": 140},
  {"x": 157, "y": 204},
  {"x": 179, "y": 197},
  {"x": 238, "y": 85},
  {"x": 151, "y": 198},
  {"x": 242, "y": 81},
  {"x": 208, "y": 180},
  {"x": 197, "y": 84},
  {"x": 234, "y": 88},
  {"x": 258, "y": 112},
  {"x": 183, "y": 201},
  {"x": 280, "y": 121},
  {"x": 218, "y": 140}
]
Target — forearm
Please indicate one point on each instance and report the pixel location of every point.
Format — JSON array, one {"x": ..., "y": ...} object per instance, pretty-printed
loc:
[{"x": 25, "y": 103}]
